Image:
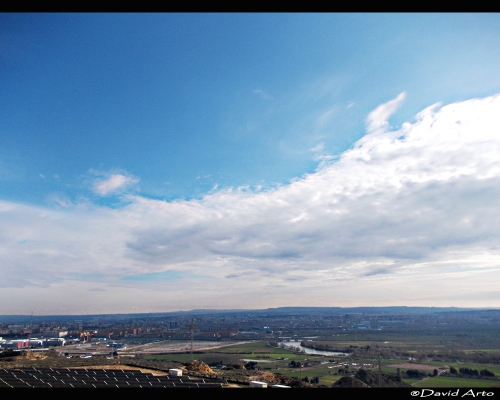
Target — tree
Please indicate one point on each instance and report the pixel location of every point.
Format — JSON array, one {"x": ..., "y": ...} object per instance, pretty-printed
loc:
[
  {"x": 413, "y": 373},
  {"x": 469, "y": 371},
  {"x": 251, "y": 365},
  {"x": 453, "y": 370}
]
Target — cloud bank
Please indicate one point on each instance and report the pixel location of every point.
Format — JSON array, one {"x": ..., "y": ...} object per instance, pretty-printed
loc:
[{"x": 404, "y": 217}]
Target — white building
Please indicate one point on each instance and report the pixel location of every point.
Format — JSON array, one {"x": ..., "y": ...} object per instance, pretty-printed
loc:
[
  {"x": 175, "y": 372},
  {"x": 257, "y": 384}
]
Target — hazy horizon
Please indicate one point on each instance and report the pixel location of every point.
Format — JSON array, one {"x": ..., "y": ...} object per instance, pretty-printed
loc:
[
  {"x": 283, "y": 310},
  {"x": 157, "y": 162}
]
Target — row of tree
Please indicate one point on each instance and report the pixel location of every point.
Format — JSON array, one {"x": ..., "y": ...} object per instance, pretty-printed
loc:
[
  {"x": 471, "y": 371},
  {"x": 314, "y": 380},
  {"x": 413, "y": 373}
]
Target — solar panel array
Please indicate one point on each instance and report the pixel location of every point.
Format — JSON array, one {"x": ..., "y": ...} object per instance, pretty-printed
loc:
[{"x": 98, "y": 378}]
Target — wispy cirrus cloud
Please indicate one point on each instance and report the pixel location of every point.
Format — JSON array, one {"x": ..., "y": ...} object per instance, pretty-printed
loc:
[
  {"x": 378, "y": 118},
  {"x": 262, "y": 94},
  {"x": 318, "y": 148}
]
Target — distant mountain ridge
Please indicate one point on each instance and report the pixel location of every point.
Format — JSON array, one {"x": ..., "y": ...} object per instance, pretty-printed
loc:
[{"x": 394, "y": 310}]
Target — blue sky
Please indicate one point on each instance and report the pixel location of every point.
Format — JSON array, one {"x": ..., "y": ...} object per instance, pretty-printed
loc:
[{"x": 162, "y": 145}]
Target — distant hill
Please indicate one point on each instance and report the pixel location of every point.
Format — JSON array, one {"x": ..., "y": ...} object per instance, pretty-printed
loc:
[{"x": 280, "y": 311}]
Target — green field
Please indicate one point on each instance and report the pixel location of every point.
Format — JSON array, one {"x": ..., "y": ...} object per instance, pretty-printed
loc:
[
  {"x": 268, "y": 358},
  {"x": 245, "y": 348},
  {"x": 470, "y": 340},
  {"x": 277, "y": 360},
  {"x": 451, "y": 382},
  {"x": 411, "y": 381}
]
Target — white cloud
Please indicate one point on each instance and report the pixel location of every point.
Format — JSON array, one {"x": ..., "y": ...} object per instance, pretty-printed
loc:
[
  {"x": 262, "y": 94},
  {"x": 114, "y": 183},
  {"x": 377, "y": 119},
  {"x": 319, "y": 147},
  {"x": 404, "y": 217},
  {"x": 325, "y": 117}
]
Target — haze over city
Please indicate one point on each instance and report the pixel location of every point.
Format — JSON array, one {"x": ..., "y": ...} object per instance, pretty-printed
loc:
[{"x": 163, "y": 162}]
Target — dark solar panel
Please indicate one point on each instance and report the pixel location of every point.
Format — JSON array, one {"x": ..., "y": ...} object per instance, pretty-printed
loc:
[
  {"x": 209, "y": 385},
  {"x": 184, "y": 385},
  {"x": 157, "y": 384},
  {"x": 216, "y": 380},
  {"x": 99, "y": 378},
  {"x": 100, "y": 385},
  {"x": 40, "y": 385},
  {"x": 78, "y": 385},
  {"x": 176, "y": 378},
  {"x": 10, "y": 379},
  {"x": 58, "y": 384},
  {"x": 20, "y": 383},
  {"x": 30, "y": 379}
]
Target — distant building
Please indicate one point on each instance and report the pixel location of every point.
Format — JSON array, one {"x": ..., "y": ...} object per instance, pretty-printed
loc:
[
  {"x": 55, "y": 334},
  {"x": 175, "y": 372},
  {"x": 116, "y": 345},
  {"x": 257, "y": 384},
  {"x": 392, "y": 323},
  {"x": 15, "y": 344}
]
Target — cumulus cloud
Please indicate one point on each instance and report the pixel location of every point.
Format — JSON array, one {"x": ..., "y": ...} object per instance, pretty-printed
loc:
[
  {"x": 404, "y": 217},
  {"x": 112, "y": 184}
]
